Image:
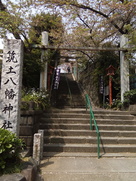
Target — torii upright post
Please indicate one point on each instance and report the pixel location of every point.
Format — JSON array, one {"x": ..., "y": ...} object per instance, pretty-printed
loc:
[
  {"x": 124, "y": 68},
  {"x": 44, "y": 73}
]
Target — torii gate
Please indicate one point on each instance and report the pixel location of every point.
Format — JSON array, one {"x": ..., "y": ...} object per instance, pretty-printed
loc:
[{"x": 124, "y": 64}]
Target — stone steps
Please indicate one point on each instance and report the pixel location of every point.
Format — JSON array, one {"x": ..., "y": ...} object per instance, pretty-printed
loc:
[
  {"x": 86, "y": 121},
  {"x": 87, "y": 126},
  {"x": 83, "y": 115},
  {"x": 89, "y": 148},
  {"x": 84, "y": 111},
  {"x": 61, "y": 132},
  {"x": 67, "y": 127},
  {"x": 88, "y": 154},
  {"x": 69, "y": 94},
  {"x": 68, "y": 131},
  {"x": 89, "y": 140}
]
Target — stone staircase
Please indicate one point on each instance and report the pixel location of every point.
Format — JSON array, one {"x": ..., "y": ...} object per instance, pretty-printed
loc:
[
  {"x": 67, "y": 129},
  {"x": 69, "y": 94},
  {"x": 67, "y": 133}
]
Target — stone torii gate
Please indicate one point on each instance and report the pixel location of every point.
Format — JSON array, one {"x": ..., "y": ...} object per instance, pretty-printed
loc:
[{"x": 124, "y": 63}]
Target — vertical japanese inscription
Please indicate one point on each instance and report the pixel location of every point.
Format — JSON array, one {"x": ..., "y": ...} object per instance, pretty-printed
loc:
[
  {"x": 56, "y": 78},
  {"x": 11, "y": 85}
]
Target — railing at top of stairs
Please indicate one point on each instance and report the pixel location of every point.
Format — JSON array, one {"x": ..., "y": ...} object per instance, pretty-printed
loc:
[{"x": 93, "y": 121}]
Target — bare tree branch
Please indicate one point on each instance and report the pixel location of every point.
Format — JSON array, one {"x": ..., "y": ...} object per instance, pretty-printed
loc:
[
  {"x": 106, "y": 16},
  {"x": 83, "y": 21},
  {"x": 90, "y": 57}
]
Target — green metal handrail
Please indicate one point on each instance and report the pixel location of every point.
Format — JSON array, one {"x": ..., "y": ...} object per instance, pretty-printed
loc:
[{"x": 92, "y": 120}]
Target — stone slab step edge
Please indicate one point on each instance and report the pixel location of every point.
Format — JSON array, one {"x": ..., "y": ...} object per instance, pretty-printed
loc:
[
  {"x": 80, "y": 110},
  {"x": 59, "y": 132},
  {"x": 89, "y": 140},
  {"x": 128, "y": 117},
  {"x": 89, "y": 148},
  {"x": 72, "y": 154},
  {"x": 86, "y": 121},
  {"x": 87, "y": 126}
]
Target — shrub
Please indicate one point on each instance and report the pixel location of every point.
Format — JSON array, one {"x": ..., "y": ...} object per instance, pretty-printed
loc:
[
  {"x": 10, "y": 147},
  {"x": 39, "y": 97},
  {"x": 130, "y": 96},
  {"x": 117, "y": 104}
]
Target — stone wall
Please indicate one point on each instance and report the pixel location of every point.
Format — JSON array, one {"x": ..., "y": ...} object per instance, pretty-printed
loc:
[{"x": 29, "y": 125}]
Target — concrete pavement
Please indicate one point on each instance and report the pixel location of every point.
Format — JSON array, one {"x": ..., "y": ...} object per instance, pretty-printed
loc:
[{"x": 88, "y": 169}]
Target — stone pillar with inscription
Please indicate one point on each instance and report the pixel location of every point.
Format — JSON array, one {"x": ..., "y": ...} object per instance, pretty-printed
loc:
[{"x": 11, "y": 85}]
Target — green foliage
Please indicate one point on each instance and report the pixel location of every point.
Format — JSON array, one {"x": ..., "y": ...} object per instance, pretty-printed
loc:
[
  {"x": 39, "y": 97},
  {"x": 130, "y": 96},
  {"x": 32, "y": 57},
  {"x": 105, "y": 59},
  {"x": 102, "y": 61},
  {"x": 11, "y": 23},
  {"x": 10, "y": 147},
  {"x": 129, "y": 99},
  {"x": 116, "y": 104},
  {"x": 52, "y": 23},
  {"x": 31, "y": 69}
]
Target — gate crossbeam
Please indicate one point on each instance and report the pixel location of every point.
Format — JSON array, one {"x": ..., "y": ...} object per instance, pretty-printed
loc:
[{"x": 82, "y": 48}]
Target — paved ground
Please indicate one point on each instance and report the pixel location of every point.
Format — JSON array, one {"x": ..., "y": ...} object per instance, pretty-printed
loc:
[{"x": 88, "y": 169}]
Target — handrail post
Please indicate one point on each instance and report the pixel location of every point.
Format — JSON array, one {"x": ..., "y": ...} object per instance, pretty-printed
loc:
[
  {"x": 92, "y": 118},
  {"x": 91, "y": 126},
  {"x": 86, "y": 102},
  {"x": 98, "y": 145}
]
